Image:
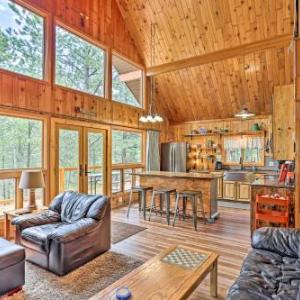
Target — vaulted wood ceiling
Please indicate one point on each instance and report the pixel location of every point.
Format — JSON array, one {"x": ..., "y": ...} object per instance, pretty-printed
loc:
[{"x": 187, "y": 28}]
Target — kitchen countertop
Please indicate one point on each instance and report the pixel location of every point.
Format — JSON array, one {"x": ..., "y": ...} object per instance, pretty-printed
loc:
[
  {"x": 269, "y": 182},
  {"x": 178, "y": 174}
]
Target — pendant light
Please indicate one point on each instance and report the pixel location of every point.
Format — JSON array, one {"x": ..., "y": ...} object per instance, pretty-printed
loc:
[
  {"x": 244, "y": 113},
  {"x": 152, "y": 116}
]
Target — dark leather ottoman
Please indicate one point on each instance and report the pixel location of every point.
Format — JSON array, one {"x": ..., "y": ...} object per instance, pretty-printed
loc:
[{"x": 12, "y": 266}]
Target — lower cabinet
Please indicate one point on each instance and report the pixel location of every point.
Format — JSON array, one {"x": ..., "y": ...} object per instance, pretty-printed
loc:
[
  {"x": 229, "y": 190},
  {"x": 235, "y": 190},
  {"x": 243, "y": 191}
]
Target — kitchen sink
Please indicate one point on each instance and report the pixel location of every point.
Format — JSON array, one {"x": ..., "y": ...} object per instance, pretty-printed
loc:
[{"x": 239, "y": 176}]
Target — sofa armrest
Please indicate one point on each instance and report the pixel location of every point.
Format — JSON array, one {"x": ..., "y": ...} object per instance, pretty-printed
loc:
[
  {"x": 284, "y": 241},
  {"x": 30, "y": 220},
  {"x": 72, "y": 231}
]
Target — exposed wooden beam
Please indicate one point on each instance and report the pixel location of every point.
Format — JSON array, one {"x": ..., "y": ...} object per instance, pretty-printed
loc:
[
  {"x": 131, "y": 76},
  {"x": 282, "y": 40}
]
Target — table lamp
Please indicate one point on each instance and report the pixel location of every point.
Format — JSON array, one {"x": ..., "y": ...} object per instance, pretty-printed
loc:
[{"x": 32, "y": 180}]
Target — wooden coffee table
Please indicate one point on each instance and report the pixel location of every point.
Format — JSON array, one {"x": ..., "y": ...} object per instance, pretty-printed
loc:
[{"x": 173, "y": 274}]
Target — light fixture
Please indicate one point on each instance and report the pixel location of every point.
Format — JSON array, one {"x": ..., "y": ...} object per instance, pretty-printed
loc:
[
  {"x": 244, "y": 114},
  {"x": 152, "y": 116}
]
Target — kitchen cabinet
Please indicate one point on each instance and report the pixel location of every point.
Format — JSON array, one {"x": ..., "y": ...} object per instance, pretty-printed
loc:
[
  {"x": 243, "y": 191},
  {"x": 238, "y": 191},
  {"x": 283, "y": 123},
  {"x": 229, "y": 190},
  {"x": 220, "y": 188}
]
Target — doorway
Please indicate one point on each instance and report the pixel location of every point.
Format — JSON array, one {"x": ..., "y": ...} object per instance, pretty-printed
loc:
[{"x": 81, "y": 159}]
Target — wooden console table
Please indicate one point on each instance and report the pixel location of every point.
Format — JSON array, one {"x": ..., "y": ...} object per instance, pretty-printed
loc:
[{"x": 9, "y": 215}]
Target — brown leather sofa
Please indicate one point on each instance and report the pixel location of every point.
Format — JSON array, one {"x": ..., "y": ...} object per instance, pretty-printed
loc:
[
  {"x": 271, "y": 271},
  {"x": 74, "y": 230},
  {"x": 12, "y": 267}
]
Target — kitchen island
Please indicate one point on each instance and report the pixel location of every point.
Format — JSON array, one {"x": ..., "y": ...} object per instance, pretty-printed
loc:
[{"x": 181, "y": 181}]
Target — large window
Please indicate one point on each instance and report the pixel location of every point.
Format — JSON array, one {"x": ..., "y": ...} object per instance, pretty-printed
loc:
[
  {"x": 20, "y": 143},
  {"x": 126, "y": 147},
  {"x": 21, "y": 40},
  {"x": 126, "y": 82},
  {"x": 21, "y": 147},
  {"x": 80, "y": 65}
]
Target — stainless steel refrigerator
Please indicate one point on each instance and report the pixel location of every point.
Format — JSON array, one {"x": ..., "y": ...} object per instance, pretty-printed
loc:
[{"x": 173, "y": 157}]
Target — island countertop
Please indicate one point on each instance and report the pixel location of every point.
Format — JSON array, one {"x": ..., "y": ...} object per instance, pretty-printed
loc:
[{"x": 178, "y": 175}]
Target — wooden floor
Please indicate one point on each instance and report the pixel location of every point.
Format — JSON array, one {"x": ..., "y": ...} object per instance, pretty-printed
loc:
[{"x": 229, "y": 236}]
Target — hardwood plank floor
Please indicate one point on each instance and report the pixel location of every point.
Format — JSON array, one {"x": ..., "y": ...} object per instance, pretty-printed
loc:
[{"x": 229, "y": 236}]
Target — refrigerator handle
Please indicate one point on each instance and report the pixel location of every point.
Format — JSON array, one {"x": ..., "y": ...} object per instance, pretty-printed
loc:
[{"x": 174, "y": 159}]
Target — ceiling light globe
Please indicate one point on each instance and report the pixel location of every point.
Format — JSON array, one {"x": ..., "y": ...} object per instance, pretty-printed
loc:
[{"x": 143, "y": 119}]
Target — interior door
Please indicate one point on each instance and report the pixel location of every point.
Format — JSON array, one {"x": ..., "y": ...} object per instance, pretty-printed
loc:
[
  {"x": 95, "y": 161},
  {"x": 69, "y": 158}
]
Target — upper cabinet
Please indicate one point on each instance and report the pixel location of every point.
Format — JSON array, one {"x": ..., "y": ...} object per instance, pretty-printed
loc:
[{"x": 284, "y": 122}]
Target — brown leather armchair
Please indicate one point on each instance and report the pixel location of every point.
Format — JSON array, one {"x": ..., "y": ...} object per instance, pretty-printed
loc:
[{"x": 74, "y": 230}]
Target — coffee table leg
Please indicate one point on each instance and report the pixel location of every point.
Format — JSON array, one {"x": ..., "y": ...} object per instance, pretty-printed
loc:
[{"x": 214, "y": 280}]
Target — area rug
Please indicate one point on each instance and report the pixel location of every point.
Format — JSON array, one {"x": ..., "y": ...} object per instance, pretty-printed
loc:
[
  {"x": 80, "y": 284},
  {"x": 122, "y": 231}
]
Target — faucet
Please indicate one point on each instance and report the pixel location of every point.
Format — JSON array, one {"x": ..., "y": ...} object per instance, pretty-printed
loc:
[{"x": 241, "y": 163}]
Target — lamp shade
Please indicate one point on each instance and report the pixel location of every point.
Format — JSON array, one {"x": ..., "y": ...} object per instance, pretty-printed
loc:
[{"x": 31, "y": 180}]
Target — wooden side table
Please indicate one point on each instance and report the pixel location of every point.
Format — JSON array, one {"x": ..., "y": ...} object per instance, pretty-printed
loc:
[{"x": 9, "y": 215}]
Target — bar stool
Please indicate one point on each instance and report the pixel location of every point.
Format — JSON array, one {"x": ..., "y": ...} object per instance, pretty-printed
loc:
[
  {"x": 142, "y": 191},
  {"x": 194, "y": 196},
  {"x": 166, "y": 193}
]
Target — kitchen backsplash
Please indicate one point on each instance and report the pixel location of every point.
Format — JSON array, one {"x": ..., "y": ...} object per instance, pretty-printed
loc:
[{"x": 270, "y": 165}]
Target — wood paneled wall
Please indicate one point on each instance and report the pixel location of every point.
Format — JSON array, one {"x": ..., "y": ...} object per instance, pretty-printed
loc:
[{"x": 103, "y": 24}]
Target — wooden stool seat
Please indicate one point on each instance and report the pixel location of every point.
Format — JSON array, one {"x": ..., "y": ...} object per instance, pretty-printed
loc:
[
  {"x": 162, "y": 192},
  {"x": 142, "y": 191},
  {"x": 190, "y": 193},
  {"x": 194, "y": 196},
  {"x": 141, "y": 188}
]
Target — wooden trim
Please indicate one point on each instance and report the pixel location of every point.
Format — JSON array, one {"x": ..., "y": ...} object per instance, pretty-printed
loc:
[
  {"x": 282, "y": 40},
  {"x": 297, "y": 133},
  {"x": 108, "y": 75}
]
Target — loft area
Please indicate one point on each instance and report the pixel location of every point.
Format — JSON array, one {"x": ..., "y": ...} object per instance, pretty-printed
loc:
[{"x": 149, "y": 149}]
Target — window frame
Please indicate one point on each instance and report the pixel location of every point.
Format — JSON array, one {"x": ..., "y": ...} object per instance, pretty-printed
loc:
[
  {"x": 260, "y": 163},
  {"x": 143, "y": 145},
  {"x": 82, "y": 35},
  {"x": 143, "y": 79},
  {"x": 46, "y": 44},
  {"x": 16, "y": 173}
]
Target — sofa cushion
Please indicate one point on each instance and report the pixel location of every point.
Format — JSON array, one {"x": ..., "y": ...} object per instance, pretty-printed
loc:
[
  {"x": 10, "y": 254},
  {"x": 57, "y": 202},
  {"x": 267, "y": 275},
  {"x": 97, "y": 209},
  {"x": 38, "y": 235},
  {"x": 75, "y": 206},
  {"x": 284, "y": 241}
]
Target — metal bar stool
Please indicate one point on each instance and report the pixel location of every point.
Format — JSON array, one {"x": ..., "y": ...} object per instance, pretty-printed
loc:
[
  {"x": 163, "y": 193},
  {"x": 142, "y": 191},
  {"x": 194, "y": 196}
]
